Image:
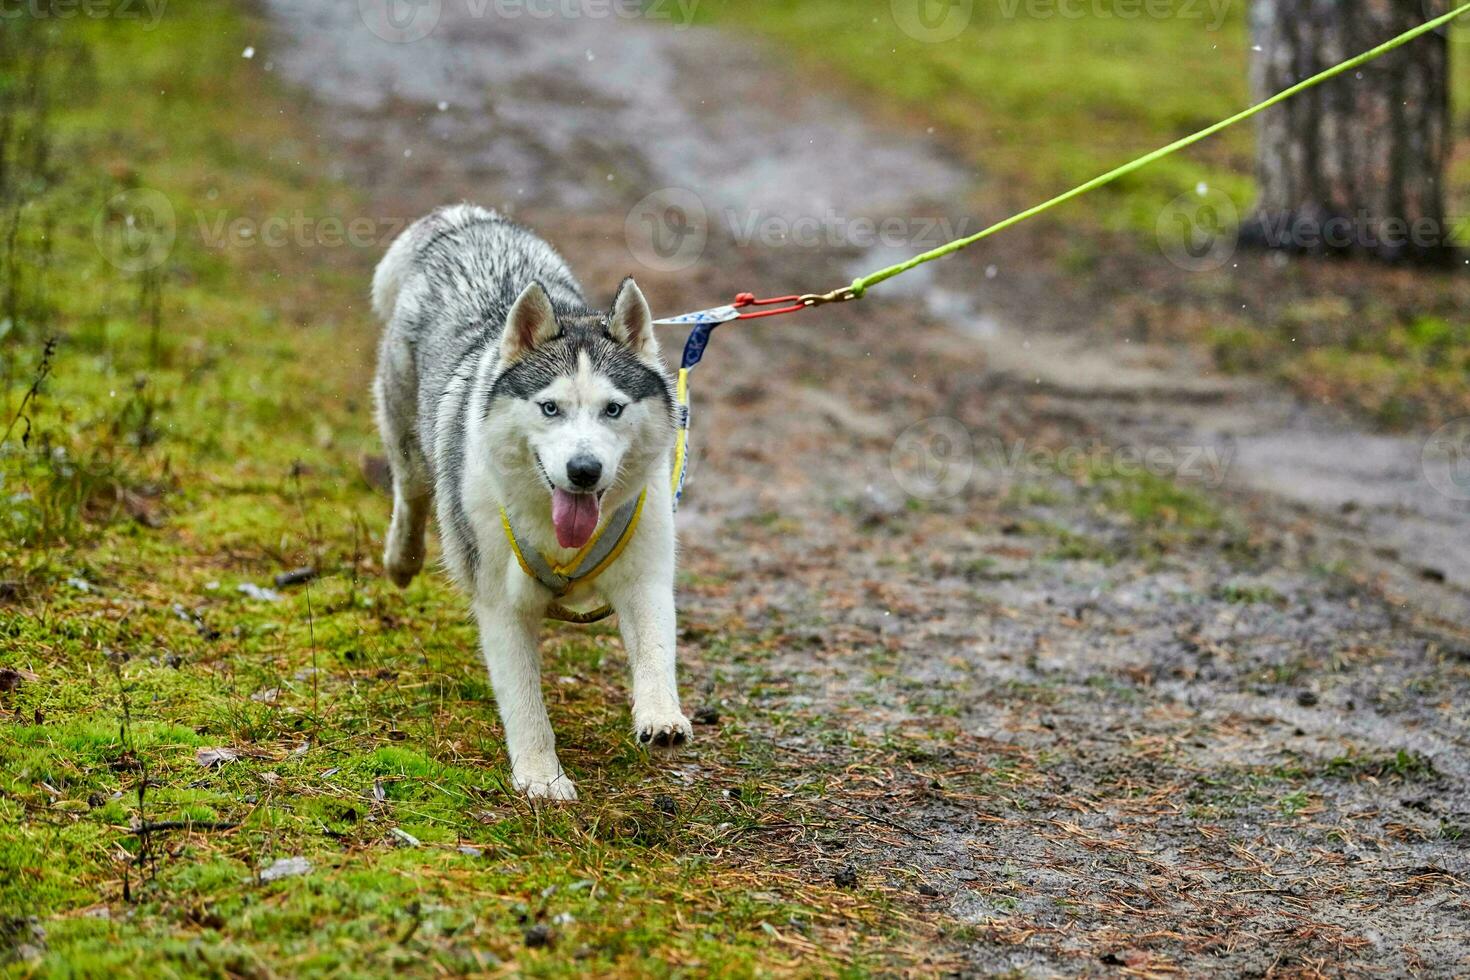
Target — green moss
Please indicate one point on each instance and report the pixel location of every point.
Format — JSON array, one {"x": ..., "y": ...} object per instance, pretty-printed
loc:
[
  {"x": 1156, "y": 503},
  {"x": 168, "y": 460},
  {"x": 1403, "y": 764},
  {"x": 1246, "y": 594},
  {"x": 1071, "y": 546}
]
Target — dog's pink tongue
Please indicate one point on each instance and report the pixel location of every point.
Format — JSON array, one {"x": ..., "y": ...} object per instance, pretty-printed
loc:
[{"x": 574, "y": 515}]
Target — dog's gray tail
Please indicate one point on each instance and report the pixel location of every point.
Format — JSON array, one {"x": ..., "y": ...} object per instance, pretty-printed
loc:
[{"x": 402, "y": 254}]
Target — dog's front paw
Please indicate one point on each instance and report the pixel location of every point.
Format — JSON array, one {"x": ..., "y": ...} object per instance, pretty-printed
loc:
[
  {"x": 542, "y": 787},
  {"x": 664, "y": 730}
]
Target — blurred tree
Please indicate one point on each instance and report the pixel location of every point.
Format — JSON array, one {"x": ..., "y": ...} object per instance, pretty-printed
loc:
[{"x": 1355, "y": 165}]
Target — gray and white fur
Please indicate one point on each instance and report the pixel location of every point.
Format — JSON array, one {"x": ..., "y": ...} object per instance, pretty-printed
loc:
[{"x": 498, "y": 387}]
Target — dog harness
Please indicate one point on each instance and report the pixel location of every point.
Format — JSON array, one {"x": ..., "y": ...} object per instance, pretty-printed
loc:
[
  {"x": 610, "y": 540},
  {"x": 598, "y": 553}
]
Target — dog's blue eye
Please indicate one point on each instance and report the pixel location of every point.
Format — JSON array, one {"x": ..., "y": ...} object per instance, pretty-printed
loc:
[
  {"x": 550, "y": 409},
  {"x": 613, "y": 410}
]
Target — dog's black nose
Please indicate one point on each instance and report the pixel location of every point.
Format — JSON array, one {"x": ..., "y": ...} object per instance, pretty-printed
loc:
[{"x": 584, "y": 471}]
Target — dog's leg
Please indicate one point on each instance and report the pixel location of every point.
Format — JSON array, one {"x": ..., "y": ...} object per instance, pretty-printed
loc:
[
  {"x": 397, "y": 392},
  {"x": 508, "y": 638},
  {"x": 403, "y": 556},
  {"x": 645, "y": 607}
]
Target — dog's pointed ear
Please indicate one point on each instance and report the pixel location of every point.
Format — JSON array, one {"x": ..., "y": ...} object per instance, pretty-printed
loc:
[
  {"x": 631, "y": 321},
  {"x": 530, "y": 323}
]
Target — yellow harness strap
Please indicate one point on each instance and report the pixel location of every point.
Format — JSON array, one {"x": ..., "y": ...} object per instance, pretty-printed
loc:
[
  {"x": 601, "y": 551},
  {"x": 681, "y": 441},
  {"x": 582, "y": 568}
]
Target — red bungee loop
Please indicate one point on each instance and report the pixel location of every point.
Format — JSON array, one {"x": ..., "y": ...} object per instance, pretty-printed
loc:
[{"x": 743, "y": 300}]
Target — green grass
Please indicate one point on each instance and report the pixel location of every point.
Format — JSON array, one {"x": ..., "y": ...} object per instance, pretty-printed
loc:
[
  {"x": 198, "y": 428},
  {"x": 1293, "y": 787},
  {"x": 1292, "y": 804},
  {"x": 1155, "y": 502},
  {"x": 1246, "y": 594},
  {"x": 1042, "y": 95},
  {"x": 1402, "y": 764},
  {"x": 1400, "y": 367},
  {"x": 1041, "y": 101},
  {"x": 1132, "y": 513}
]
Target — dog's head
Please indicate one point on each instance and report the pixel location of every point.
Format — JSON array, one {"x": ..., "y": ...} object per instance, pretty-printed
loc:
[{"x": 587, "y": 397}]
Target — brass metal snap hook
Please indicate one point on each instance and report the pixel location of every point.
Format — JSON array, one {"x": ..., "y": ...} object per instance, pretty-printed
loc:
[{"x": 841, "y": 295}]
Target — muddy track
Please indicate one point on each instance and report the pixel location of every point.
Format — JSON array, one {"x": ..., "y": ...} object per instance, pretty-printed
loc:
[{"x": 1067, "y": 750}]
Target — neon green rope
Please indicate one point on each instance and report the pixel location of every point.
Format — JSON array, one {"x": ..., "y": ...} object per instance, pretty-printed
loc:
[{"x": 859, "y": 286}]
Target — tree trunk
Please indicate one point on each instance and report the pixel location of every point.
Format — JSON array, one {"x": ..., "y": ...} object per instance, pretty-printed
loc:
[{"x": 1354, "y": 166}]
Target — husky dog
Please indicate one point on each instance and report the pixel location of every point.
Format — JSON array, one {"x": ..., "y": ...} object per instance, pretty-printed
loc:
[{"x": 507, "y": 402}]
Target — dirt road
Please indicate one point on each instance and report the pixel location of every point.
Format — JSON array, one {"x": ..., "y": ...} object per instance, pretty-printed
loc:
[{"x": 1076, "y": 723}]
